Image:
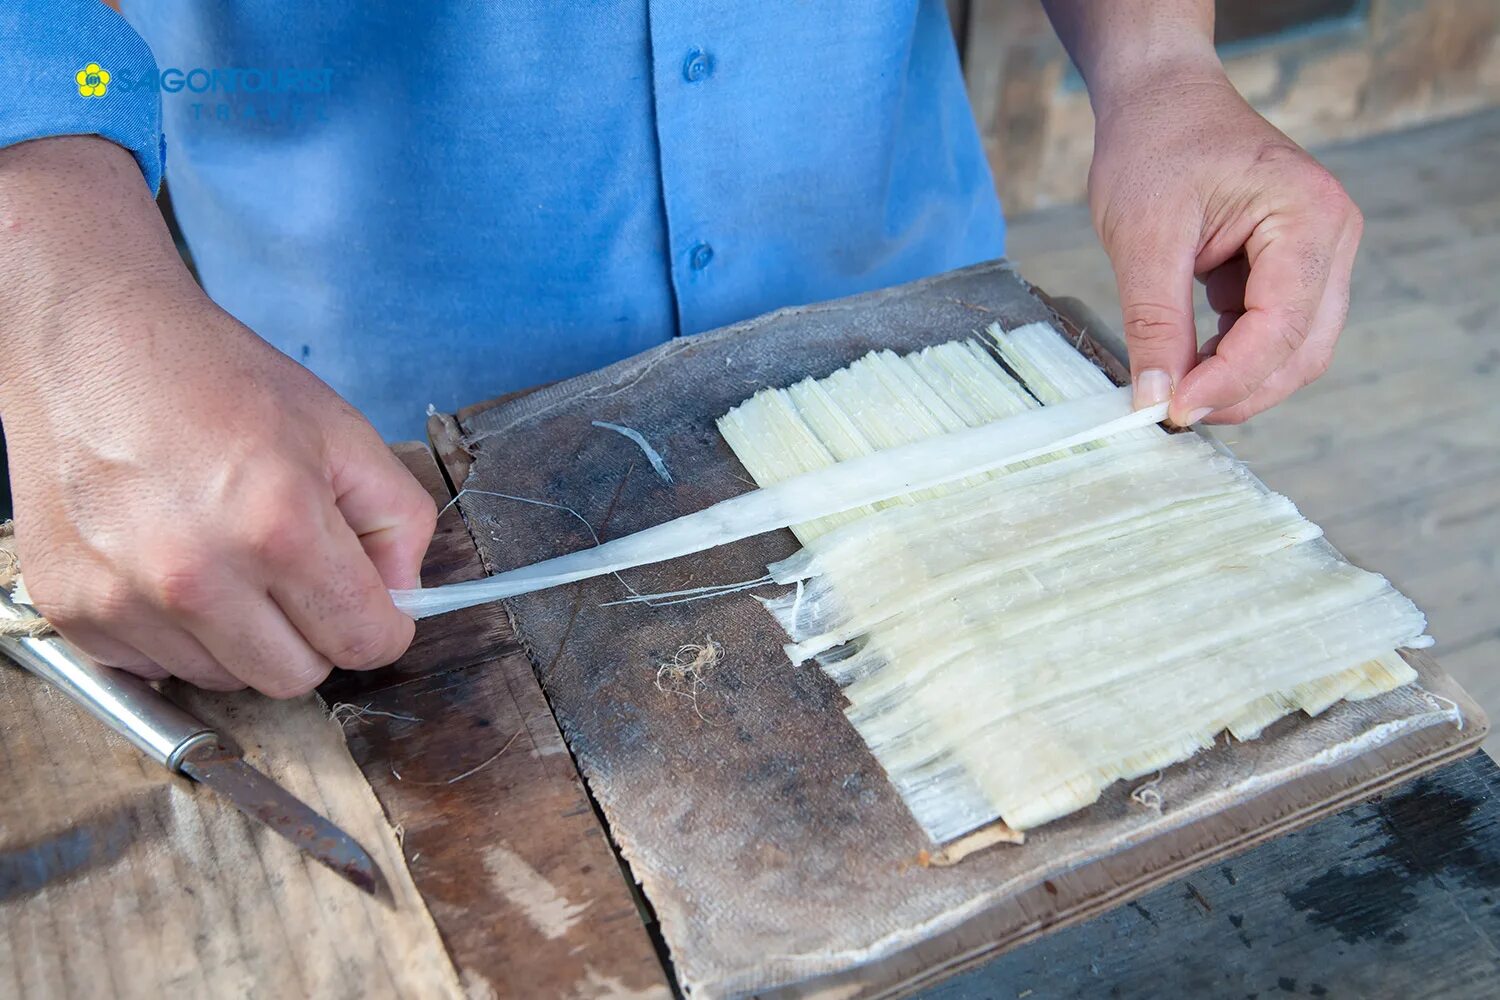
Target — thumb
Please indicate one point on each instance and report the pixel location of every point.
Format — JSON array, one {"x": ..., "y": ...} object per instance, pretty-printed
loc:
[
  {"x": 390, "y": 511},
  {"x": 1154, "y": 273}
]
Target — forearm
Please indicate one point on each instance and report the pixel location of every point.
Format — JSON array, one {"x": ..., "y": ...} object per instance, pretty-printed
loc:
[
  {"x": 1126, "y": 47},
  {"x": 1188, "y": 181},
  {"x": 190, "y": 500},
  {"x": 78, "y": 227}
]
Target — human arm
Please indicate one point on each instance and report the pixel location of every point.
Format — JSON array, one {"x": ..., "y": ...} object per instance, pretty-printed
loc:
[
  {"x": 1189, "y": 181},
  {"x": 188, "y": 499}
]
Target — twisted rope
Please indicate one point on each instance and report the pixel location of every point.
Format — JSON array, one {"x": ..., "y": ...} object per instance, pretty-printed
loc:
[{"x": 10, "y": 572}]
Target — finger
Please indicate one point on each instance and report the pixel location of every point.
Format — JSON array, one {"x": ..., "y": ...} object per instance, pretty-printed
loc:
[
  {"x": 101, "y": 647},
  {"x": 391, "y": 513},
  {"x": 1304, "y": 368},
  {"x": 1224, "y": 286},
  {"x": 1211, "y": 345},
  {"x": 1154, "y": 273},
  {"x": 225, "y": 608},
  {"x": 1290, "y": 262},
  {"x": 1286, "y": 380},
  {"x": 251, "y": 639},
  {"x": 1311, "y": 360},
  {"x": 110, "y": 630},
  {"x": 111, "y": 651},
  {"x": 334, "y": 596},
  {"x": 174, "y": 651}
]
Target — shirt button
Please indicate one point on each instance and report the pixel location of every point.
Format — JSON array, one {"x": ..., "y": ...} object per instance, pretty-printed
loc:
[
  {"x": 701, "y": 255},
  {"x": 697, "y": 67}
]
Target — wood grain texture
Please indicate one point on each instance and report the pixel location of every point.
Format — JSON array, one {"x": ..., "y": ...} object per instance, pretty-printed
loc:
[
  {"x": 1104, "y": 883},
  {"x": 769, "y": 842},
  {"x": 1396, "y": 897},
  {"x": 447, "y": 443},
  {"x": 460, "y": 746},
  {"x": 120, "y": 880}
]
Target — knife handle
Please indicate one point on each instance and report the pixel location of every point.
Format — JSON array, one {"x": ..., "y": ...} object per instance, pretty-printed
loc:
[{"x": 126, "y": 703}]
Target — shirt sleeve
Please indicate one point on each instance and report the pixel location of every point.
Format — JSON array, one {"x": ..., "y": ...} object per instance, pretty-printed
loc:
[{"x": 75, "y": 67}]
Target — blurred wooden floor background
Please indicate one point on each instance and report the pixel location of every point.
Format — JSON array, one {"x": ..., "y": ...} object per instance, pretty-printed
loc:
[{"x": 1396, "y": 451}]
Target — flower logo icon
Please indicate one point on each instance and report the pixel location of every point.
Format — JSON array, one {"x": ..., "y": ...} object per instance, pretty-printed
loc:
[{"x": 93, "y": 81}]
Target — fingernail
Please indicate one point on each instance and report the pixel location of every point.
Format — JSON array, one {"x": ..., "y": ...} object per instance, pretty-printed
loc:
[
  {"x": 1197, "y": 415},
  {"x": 1152, "y": 386}
]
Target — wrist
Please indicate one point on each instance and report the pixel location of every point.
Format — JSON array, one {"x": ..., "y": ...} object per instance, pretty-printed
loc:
[
  {"x": 82, "y": 244},
  {"x": 75, "y": 215},
  {"x": 1148, "y": 54}
]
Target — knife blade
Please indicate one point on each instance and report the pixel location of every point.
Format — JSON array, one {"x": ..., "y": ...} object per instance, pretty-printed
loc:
[
  {"x": 257, "y": 796},
  {"x": 172, "y": 737}
]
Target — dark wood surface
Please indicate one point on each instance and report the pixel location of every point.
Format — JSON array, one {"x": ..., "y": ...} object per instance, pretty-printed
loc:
[
  {"x": 499, "y": 834},
  {"x": 1397, "y": 897},
  {"x": 1363, "y": 903},
  {"x": 607, "y": 660}
]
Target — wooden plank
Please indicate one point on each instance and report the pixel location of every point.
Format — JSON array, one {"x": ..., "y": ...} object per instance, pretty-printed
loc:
[
  {"x": 761, "y": 776},
  {"x": 1242, "y": 20},
  {"x": 1105, "y": 883},
  {"x": 118, "y": 879},
  {"x": 1427, "y": 53},
  {"x": 1390, "y": 64},
  {"x": 447, "y": 443},
  {"x": 462, "y": 750},
  {"x": 1393, "y": 898},
  {"x": 1013, "y": 64}
]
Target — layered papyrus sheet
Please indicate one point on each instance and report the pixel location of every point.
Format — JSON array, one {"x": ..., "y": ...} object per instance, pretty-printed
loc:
[{"x": 1012, "y": 643}]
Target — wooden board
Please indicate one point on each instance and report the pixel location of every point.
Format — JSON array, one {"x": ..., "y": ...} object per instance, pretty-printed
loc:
[
  {"x": 119, "y": 880},
  {"x": 1056, "y": 900},
  {"x": 1391, "y": 898},
  {"x": 765, "y": 780},
  {"x": 500, "y": 837}
]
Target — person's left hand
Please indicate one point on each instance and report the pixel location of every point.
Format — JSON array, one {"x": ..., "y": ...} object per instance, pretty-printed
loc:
[{"x": 1188, "y": 180}]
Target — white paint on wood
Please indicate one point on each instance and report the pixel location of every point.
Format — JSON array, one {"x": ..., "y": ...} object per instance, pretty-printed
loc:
[{"x": 548, "y": 910}]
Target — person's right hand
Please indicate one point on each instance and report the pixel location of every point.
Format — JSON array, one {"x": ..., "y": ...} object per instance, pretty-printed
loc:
[{"x": 188, "y": 499}]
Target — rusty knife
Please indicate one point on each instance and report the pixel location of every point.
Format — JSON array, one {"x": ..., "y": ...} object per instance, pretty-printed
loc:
[{"x": 171, "y": 736}]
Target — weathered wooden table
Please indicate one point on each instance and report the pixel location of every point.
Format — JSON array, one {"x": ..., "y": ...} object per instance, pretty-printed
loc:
[
  {"x": 1068, "y": 899},
  {"x": 522, "y": 879},
  {"x": 1394, "y": 897},
  {"x": 1398, "y": 897}
]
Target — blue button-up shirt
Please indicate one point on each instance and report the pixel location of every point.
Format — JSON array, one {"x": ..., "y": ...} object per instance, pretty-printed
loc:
[{"x": 439, "y": 202}]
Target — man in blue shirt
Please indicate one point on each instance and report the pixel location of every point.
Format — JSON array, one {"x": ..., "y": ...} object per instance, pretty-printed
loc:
[{"x": 435, "y": 203}]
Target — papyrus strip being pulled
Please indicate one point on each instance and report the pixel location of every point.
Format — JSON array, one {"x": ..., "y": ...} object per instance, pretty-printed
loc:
[{"x": 838, "y": 487}]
